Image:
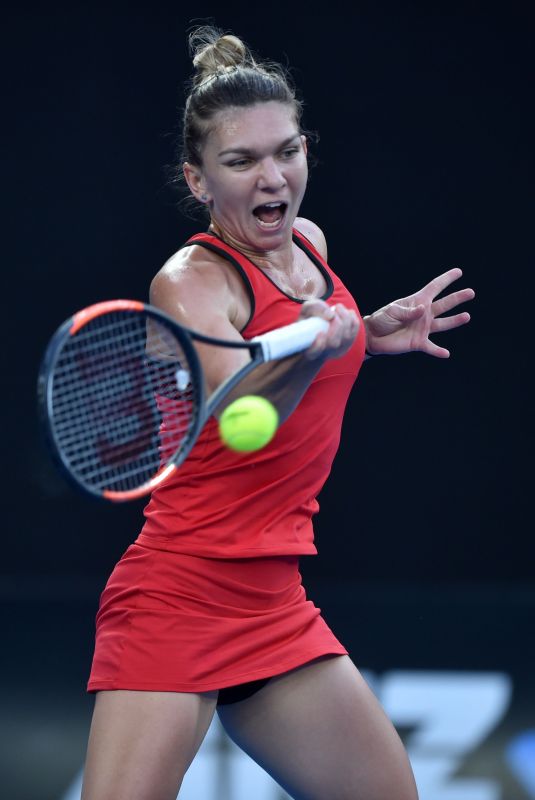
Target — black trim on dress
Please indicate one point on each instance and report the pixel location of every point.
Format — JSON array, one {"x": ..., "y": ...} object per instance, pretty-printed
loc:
[
  {"x": 223, "y": 253},
  {"x": 232, "y": 260}
]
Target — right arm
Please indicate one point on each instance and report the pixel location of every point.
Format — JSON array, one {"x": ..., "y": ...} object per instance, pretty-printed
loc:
[{"x": 199, "y": 294}]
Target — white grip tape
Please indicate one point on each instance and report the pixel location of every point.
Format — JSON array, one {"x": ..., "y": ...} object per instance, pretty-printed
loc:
[{"x": 291, "y": 338}]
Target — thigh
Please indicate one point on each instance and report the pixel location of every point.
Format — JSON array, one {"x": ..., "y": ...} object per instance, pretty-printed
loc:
[
  {"x": 320, "y": 732},
  {"x": 141, "y": 743}
]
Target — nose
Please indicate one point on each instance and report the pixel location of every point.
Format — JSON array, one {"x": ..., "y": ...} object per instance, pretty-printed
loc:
[{"x": 270, "y": 176}]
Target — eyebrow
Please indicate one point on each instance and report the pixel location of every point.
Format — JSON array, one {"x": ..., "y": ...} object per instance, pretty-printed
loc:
[{"x": 247, "y": 151}]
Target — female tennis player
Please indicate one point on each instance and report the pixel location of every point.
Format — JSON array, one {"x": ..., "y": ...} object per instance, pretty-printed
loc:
[{"x": 206, "y": 610}]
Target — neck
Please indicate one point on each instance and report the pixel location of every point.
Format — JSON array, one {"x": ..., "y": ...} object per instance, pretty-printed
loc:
[{"x": 279, "y": 259}]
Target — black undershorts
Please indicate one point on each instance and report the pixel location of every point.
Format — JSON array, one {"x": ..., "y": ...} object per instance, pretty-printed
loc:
[{"x": 233, "y": 694}]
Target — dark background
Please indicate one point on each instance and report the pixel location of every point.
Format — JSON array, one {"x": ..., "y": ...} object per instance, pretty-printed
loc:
[{"x": 425, "y": 162}]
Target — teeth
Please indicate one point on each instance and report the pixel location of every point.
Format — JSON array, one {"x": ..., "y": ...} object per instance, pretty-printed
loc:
[{"x": 272, "y": 205}]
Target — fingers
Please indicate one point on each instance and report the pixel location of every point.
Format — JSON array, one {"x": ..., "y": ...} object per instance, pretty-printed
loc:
[
  {"x": 454, "y": 299},
  {"x": 433, "y": 349},
  {"x": 446, "y": 304},
  {"x": 441, "y": 282},
  {"x": 448, "y": 323},
  {"x": 343, "y": 328},
  {"x": 317, "y": 308}
]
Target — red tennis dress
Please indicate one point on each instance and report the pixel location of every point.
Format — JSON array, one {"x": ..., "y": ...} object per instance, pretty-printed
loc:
[{"x": 210, "y": 594}]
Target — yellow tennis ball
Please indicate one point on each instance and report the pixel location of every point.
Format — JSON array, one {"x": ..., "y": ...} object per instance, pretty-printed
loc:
[{"x": 248, "y": 423}]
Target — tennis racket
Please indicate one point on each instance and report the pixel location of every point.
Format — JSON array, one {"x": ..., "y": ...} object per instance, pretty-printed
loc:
[{"x": 121, "y": 393}]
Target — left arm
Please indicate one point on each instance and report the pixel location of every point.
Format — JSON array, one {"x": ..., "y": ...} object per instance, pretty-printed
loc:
[{"x": 405, "y": 325}]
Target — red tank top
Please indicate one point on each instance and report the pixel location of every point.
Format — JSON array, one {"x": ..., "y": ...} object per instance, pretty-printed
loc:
[{"x": 222, "y": 504}]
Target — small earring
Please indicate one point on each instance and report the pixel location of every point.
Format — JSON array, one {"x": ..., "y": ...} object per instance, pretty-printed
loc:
[{"x": 204, "y": 198}]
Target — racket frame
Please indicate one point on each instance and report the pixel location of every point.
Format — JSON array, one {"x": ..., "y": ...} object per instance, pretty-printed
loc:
[{"x": 45, "y": 388}]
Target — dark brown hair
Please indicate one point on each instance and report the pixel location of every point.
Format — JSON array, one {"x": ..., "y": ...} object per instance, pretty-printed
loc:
[{"x": 226, "y": 75}]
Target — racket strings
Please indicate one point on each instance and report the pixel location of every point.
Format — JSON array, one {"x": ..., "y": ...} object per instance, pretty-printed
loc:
[{"x": 123, "y": 400}]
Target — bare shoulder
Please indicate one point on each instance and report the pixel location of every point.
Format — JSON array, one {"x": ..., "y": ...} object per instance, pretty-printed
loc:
[
  {"x": 194, "y": 285},
  {"x": 314, "y": 233},
  {"x": 186, "y": 267}
]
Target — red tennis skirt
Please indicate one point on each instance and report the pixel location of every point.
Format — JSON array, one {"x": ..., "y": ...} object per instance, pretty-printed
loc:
[{"x": 180, "y": 623}]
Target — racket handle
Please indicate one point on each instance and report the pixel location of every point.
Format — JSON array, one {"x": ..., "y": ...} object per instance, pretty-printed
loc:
[{"x": 291, "y": 338}]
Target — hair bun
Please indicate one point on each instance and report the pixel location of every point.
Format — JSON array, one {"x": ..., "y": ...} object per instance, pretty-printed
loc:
[{"x": 214, "y": 52}]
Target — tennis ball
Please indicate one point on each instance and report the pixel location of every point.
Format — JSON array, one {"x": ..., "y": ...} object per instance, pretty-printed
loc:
[{"x": 248, "y": 423}]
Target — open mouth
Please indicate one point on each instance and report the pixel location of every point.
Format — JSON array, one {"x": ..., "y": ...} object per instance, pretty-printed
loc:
[{"x": 269, "y": 215}]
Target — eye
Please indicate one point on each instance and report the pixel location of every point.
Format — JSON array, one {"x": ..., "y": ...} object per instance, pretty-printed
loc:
[
  {"x": 239, "y": 163},
  {"x": 289, "y": 152}
]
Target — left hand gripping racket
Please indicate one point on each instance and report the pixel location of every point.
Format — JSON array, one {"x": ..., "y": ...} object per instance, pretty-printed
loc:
[{"x": 122, "y": 398}]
